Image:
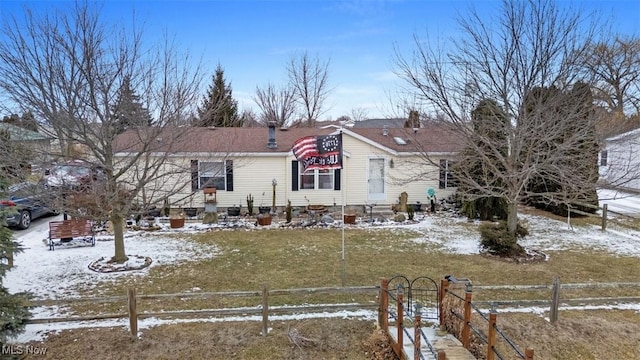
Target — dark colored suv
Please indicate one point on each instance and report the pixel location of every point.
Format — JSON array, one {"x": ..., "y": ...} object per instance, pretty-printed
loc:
[{"x": 26, "y": 201}]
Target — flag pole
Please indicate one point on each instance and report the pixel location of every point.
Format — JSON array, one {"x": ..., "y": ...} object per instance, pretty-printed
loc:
[{"x": 342, "y": 192}]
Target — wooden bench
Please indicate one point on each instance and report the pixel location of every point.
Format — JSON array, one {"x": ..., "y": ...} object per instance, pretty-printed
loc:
[{"x": 69, "y": 229}]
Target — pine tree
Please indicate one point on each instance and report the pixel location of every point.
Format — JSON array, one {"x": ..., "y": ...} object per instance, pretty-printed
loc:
[
  {"x": 13, "y": 312},
  {"x": 129, "y": 111},
  {"x": 488, "y": 120},
  {"x": 29, "y": 121},
  {"x": 218, "y": 107},
  {"x": 547, "y": 190}
]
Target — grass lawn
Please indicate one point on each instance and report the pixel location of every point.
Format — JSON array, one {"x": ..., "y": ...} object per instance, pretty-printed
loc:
[{"x": 302, "y": 258}]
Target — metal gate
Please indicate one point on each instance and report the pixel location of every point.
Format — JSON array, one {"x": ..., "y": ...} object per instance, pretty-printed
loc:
[{"x": 421, "y": 295}]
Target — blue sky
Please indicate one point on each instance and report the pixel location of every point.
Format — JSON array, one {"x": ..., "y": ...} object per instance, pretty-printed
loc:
[{"x": 253, "y": 40}]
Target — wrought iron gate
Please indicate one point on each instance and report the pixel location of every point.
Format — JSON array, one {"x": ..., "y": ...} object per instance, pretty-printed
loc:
[{"x": 421, "y": 295}]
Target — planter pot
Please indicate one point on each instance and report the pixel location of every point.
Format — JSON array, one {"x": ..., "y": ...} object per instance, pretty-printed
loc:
[
  {"x": 264, "y": 220},
  {"x": 349, "y": 218},
  {"x": 264, "y": 209},
  {"x": 233, "y": 211},
  {"x": 176, "y": 223},
  {"x": 190, "y": 212}
]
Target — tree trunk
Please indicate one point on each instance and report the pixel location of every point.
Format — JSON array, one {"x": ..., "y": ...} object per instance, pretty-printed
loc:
[
  {"x": 512, "y": 217},
  {"x": 118, "y": 233}
]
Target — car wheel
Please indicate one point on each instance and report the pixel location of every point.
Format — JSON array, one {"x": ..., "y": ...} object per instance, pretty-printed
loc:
[{"x": 25, "y": 220}]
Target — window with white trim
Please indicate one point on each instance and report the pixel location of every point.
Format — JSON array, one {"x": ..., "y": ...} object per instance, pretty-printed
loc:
[
  {"x": 212, "y": 175},
  {"x": 317, "y": 179}
]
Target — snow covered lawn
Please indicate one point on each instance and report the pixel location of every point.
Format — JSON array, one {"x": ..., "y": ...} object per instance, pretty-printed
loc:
[{"x": 63, "y": 273}]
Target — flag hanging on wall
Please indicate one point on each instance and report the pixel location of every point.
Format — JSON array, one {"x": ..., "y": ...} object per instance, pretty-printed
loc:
[{"x": 319, "y": 152}]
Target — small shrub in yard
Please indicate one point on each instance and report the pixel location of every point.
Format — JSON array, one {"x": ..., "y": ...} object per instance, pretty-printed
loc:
[{"x": 496, "y": 239}]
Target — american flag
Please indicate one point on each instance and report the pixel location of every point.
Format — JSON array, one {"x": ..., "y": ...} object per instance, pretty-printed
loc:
[{"x": 319, "y": 152}]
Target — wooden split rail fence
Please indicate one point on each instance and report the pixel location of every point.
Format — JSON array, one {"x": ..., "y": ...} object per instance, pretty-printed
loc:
[
  {"x": 265, "y": 309},
  {"x": 489, "y": 338},
  {"x": 444, "y": 292}
]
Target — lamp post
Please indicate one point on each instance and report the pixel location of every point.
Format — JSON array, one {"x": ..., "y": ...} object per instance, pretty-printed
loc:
[{"x": 274, "y": 183}]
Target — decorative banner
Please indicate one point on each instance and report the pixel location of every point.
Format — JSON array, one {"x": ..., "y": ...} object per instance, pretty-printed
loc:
[{"x": 319, "y": 152}]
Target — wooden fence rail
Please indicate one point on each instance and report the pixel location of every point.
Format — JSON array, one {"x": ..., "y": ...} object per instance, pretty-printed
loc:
[
  {"x": 133, "y": 313},
  {"x": 555, "y": 299},
  {"x": 467, "y": 327}
]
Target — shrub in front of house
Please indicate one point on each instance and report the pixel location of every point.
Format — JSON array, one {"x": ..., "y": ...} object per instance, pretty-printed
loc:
[{"x": 498, "y": 241}]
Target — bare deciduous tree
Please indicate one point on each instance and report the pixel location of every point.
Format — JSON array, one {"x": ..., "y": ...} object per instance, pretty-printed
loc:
[
  {"x": 614, "y": 68},
  {"x": 310, "y": 80},
  {"x": 276, "y": 104},
  {"x": 359, "y": 114},
  {"x": 67, "y": 66},
  {"x": 530, "y": 45}
]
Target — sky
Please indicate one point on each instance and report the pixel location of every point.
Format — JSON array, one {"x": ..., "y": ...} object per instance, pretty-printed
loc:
[{"x": 253, "y": 40}]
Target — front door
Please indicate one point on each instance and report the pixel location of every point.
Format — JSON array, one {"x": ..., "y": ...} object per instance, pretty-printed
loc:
[{"x": 377, "y": 188}]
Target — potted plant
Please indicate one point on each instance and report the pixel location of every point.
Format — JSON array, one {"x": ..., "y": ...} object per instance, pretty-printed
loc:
[
  {"x": 264, "y": 219},
  {"x": 176, "y": 221},
  {"x": 250, "y": 204},
  {"x": 349, "y": 218},
  {"x": 233, "y": 210},
  {"x": 263, "y": 209},
  {"x": 288, "y": 211},
  {"x": 190, "y": 211}
]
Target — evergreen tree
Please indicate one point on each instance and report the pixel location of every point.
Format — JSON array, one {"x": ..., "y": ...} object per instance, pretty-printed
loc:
[
  {"x": 218, "y": 107},
  {"x": 547, "y": 190},
  {"x": 490, "y": 122},
  {"x": 29, "y": 121},
  {"x": 129, "y": 111},
  {"x": 13, "y": 312}
]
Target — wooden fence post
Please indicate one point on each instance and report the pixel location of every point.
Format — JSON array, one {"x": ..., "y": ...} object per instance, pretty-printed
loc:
[
  {"x": 383, "y": 313},
  {"x": 466, "y": 329},
  {"x": 605, "y": 209},
  {"x": 528, "y": 354},
  {"x": 555, "y": 300},
  {"x": 416, "y": 336},
  {"x": 442, "y": 355},
  {"x": 444, "y": 287},
  {"x": 265, "y": 309},
  {"x": 491, "y": 335},
  {"x": 400, "y": 324},
  {"x": 133, "y": 313}
]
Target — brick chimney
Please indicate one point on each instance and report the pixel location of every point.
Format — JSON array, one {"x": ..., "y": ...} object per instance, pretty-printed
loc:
[{"x": 271, "y": 143}]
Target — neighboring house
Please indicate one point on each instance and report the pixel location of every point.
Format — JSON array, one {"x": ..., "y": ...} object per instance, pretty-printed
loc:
[
  {"x": 30, "y": 138},
  {"x": 619, "y": 163},
  {"x": 378, "y": 166},
  {"x": 38, "y": 145}
]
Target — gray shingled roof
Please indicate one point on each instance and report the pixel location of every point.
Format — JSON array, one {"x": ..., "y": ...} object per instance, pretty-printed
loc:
[{"x": 21, "y": 134}]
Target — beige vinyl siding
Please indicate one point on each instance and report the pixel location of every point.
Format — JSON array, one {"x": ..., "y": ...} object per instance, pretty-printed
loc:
[{"x": 253, "y": 174}]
